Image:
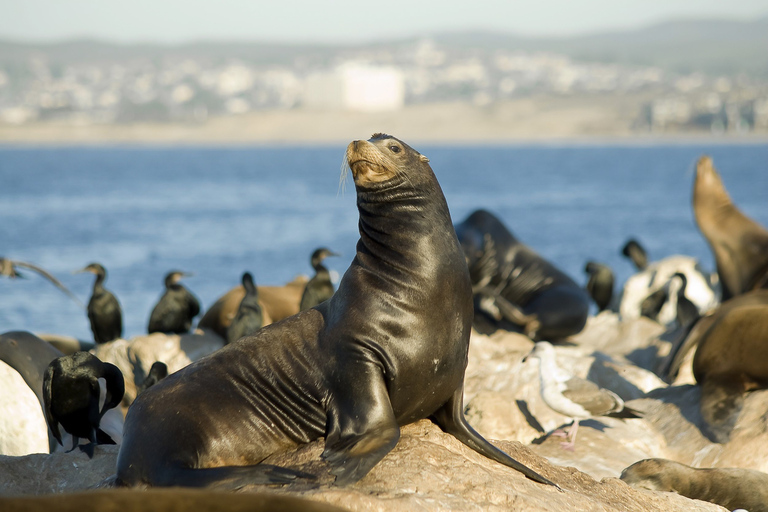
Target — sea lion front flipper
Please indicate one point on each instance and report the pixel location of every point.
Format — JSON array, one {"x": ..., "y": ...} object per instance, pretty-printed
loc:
[
  {"x": 362, "y": 427},
  {"x": 450, "y": 418}
]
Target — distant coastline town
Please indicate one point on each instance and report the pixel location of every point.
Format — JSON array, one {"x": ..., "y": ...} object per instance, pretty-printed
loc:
[{"x": 97, "y": 84}]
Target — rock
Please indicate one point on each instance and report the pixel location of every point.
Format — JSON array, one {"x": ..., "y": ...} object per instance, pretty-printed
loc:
[
  {"x": 427, "y": 470},
  {"x": 57, "y": 472},
  {"x": 23, "y": 429},
  {"x": 135, "y": 357}
]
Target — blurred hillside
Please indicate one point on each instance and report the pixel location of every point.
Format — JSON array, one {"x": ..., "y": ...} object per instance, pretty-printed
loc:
[{"x": 676, "y": 77}]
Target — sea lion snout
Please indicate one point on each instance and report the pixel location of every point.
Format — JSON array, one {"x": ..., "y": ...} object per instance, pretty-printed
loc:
[{"x": 366, "y": 162}]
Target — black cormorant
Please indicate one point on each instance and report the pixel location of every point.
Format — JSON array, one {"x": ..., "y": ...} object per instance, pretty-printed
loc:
[
  {"x": 320, "y": 287},
  {"x": 157, "y": 372},
  {"x": 71, "y": 395},
  {"x": 635, "y": 252},
  {"x": 600, "y": 284},
  {"x": 687, "y": 312},
  {"x": 249, "y": 318},
  {"x": 175, "y": 309},
  {"x": 103, "y": 309}
]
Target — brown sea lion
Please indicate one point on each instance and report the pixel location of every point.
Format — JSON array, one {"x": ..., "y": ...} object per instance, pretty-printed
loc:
[
  {"x": 277, "y": 303},
  {"x": 162, "y": 500},
  {"x": 731, "y": 358},
  {"x": 389, "y": 348},
  {"x": 740, "y": 244},
  {"x": 731, "y": 488}
]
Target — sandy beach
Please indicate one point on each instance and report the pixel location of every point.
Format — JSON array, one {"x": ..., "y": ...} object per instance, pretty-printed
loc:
[{"x": 528, "y": 120}]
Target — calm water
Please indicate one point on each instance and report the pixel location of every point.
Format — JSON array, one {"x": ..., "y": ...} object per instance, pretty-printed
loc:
[{"x": 219, "y": 211}]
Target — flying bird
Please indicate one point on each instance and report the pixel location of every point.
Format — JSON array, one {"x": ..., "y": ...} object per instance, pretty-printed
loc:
[{"x": 9, "y": 268}]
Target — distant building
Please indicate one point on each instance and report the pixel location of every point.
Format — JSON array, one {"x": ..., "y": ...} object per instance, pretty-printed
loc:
[{"x": 356, "y": 87}]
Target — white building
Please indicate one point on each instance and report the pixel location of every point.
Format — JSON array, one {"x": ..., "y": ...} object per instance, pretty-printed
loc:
[{"x": 356, "y": 87}]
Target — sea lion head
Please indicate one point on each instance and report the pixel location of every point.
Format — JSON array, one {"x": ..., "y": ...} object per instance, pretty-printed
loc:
[
  {"x": 708, "y": 189},
  {"x": 384, "y": 159}
]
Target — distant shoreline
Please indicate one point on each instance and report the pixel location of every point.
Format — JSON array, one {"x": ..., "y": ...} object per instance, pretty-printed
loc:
[{"x": 530, "y": 121}]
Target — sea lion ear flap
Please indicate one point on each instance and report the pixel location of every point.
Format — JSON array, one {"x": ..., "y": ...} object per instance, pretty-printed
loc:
[
  {"x": 423, "y": 159},
  {"x": 47, "y": 399},
  {"x": 115, "y": 386}
]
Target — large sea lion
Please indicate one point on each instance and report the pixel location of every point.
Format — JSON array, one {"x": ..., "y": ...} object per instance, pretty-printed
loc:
[
  {"x": 732, "y": 488},
  {"x": 740, "y": 244},
  {"x": 514, "y": 287},
  {"x": 389, "y": 348},
  {"x": 277, "y": 303}
]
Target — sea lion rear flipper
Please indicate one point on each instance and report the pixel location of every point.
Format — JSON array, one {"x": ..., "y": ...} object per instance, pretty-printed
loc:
[
  {"x": 362, "y": 427},
  {"x": 450, "y": 418}
]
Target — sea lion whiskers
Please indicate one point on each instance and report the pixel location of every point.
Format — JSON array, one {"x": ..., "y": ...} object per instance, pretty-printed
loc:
[{"x": 343, "y": 177}]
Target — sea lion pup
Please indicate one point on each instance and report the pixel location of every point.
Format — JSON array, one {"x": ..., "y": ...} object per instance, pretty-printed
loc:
[
  {"x": 740, "y": 244},
  {"x": 514, "y": 287},
  {"x": 731, "y": 488},
  {"x": 71, "y": 394},
  {"x": 389, "y": 348}
]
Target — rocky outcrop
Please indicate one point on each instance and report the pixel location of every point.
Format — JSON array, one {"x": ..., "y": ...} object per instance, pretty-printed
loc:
[{"x": 431, "y": 470}]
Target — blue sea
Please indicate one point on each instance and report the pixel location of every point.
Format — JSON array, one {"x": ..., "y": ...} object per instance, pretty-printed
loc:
[{"x": 218, "y": 211}]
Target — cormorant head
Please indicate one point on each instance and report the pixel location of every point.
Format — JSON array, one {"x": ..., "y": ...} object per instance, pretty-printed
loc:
[
  {"x": 93, "y": 268},
  {"x": 175, "y": 276},
  {"x": 320, "y": 254}
]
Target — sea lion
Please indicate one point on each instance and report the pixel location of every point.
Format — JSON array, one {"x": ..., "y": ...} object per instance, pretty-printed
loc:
[
  {"x": 389, "y": 348},
  {"x": 71, "y": 394},
  {"x": 157, "y": 372},
  {"x": 30, "y": 356},
  {"x": 277, "y": 303},
  {"x": 702, "y": 329},
  {"x": 732, "y": 488},
  {"x": 175, "y": 310},
  {"x": 517, "y": 288},
  {"x": 740, "y": 244},
  {"x": 731, "y": 359},
  {"x": 163, "y": 500}
]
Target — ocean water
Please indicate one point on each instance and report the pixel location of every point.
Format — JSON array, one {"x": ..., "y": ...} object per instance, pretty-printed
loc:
[{"x": 143, "y": 211}]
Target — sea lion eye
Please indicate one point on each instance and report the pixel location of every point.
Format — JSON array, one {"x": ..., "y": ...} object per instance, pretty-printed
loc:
[{"x": 394, "y": 149}]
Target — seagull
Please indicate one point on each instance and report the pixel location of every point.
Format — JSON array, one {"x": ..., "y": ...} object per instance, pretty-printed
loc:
[{"x": 572, "y": 396}]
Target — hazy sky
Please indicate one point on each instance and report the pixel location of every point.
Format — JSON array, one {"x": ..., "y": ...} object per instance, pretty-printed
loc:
[{"x": 340, "y": 20}]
